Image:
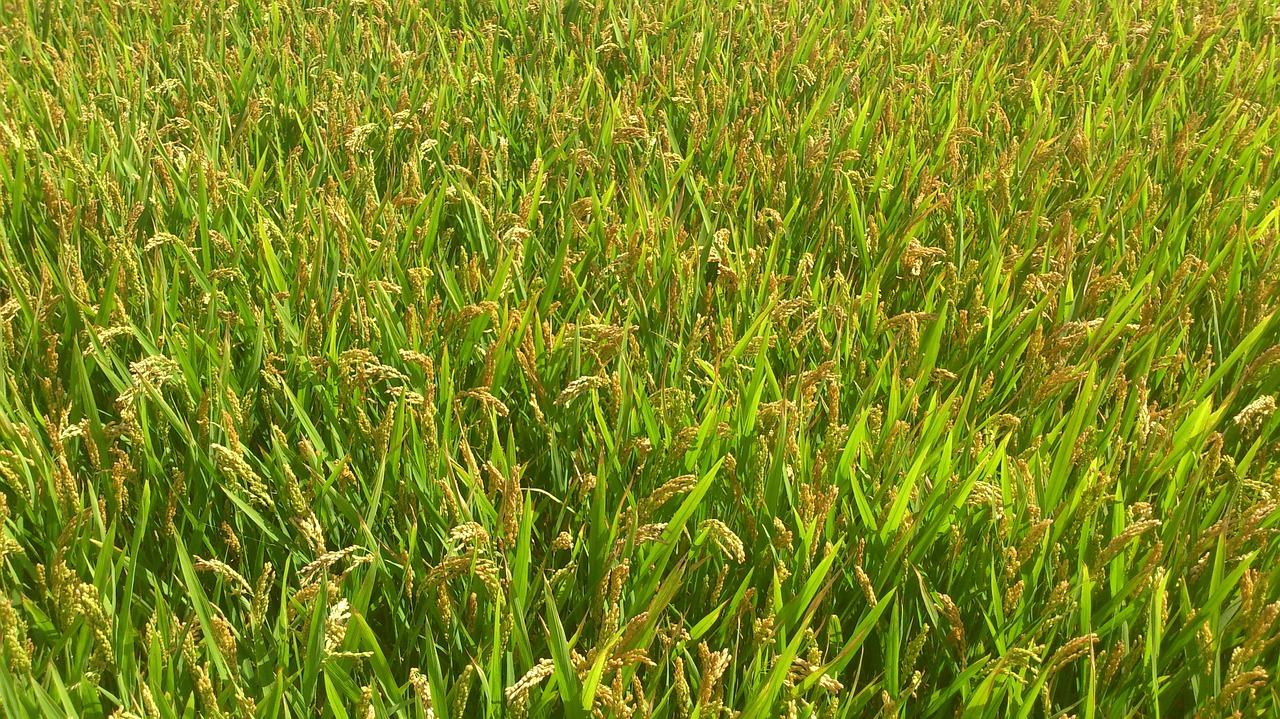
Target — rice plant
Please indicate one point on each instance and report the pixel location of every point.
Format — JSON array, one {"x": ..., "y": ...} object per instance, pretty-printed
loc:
[{"x": 612, "y": 358}]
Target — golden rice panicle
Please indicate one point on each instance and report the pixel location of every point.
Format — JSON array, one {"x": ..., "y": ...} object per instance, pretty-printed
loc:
[
  {"x": 952, "y": 613},
  {"x": 1072, "y": 650},
  {"x": 233, "y": 465},
  {"x": 13, "y": 638},
  {"x": 1122, "y": 540},
  {"x": 512, "y": 507},
  {"x": 532, "y": 678},
  {"x": 562, "y": 542},
  {"x": 204, "y": 689},
  {"x": 149, "y": 707},
  {"x": 422, "y": 689},
  {"x": 580, "y": 386},
  {"x": 864, "y": 581},
  {"x": 1255, "y": 413},
  {"x": 462, "y": 691},
  {"x": 683, "y": 700},
  {"x": 713, "y": 666},
  {"x": 224, "y": 637},
  {"x": 8, "y": 545},
  {"x": 365, "y": 708},
  {"x": 470, "y": 533},
  {"x": 238, "y": 583},
  {"x": 262, "y": 595},
  {"x": 724, "y": 538},
  {"x": 914, "y": 648},
  {"x": 672, "y": 487}
]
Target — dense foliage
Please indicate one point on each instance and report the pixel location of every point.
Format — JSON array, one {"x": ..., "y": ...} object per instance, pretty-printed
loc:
[{"x": 461, "y": 358}]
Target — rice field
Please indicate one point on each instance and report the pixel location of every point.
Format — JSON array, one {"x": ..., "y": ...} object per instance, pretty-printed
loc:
[{"x": 611, "y": 358}]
